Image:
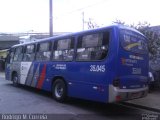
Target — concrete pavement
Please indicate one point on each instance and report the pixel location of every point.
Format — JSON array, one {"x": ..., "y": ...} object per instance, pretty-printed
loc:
[
  {"x": 150, "y": 102},
  {"x": 2, "y": 74}
]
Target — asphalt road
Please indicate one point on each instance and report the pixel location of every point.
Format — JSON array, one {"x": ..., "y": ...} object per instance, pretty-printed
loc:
[{"x": 26, "y": 100}]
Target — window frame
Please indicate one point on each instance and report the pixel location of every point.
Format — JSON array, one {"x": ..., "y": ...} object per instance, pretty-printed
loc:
[
  {"x": 106, "y": 35},
  {"x": 38, "y": 51},
  {"x": 22, "y": 52},
  {"x": 10, "y": 58},
  {"x": 122, "y": 33},
  {"x": 55, "y": 48},
  {"x": 25, "y": 52}
]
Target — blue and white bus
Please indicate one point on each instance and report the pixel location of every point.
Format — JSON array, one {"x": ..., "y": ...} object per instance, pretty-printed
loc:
[{"x": 108, "y": 64}]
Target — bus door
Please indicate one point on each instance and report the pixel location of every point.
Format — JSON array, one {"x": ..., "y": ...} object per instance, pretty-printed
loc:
[
  {"x": 42, "y": 66},
  {"x": 27, "y": 64},
  {"x": 8, "y": 62}
]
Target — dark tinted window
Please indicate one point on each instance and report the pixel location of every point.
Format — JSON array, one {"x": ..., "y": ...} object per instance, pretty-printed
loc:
[
  {"x": 29, "y": 53},
  {"x": 92, "y": 46},
  {"x": 10, "y": 56},
  {"x": 132, "y": 41},
  {"x": 63, "y": 50},
  {"x": 18, "y": 55},
  {"x": 44, "y": 51}
]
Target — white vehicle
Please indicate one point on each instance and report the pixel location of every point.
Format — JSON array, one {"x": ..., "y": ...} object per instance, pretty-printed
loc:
[
  {"x": 151, "y": 80},
  {"x": 151, "y": 77}
]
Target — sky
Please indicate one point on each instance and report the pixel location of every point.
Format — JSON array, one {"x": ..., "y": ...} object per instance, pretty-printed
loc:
[{"x": 33, "y": 15}]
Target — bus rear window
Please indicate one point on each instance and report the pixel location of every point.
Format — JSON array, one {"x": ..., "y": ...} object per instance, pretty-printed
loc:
[{"x": 132, "y": 41}]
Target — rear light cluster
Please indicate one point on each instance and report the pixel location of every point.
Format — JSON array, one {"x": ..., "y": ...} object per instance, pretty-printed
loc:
[
  {"x": 116, "y": 82},
  {"x": 118, "y": 98}
]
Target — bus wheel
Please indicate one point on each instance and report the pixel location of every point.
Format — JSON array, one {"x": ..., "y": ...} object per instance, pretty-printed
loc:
[
  {"x": 15, "y": 79},
  {"x": 59, "y": 90}
]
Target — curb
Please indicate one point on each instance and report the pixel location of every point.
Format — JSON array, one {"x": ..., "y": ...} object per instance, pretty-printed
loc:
[{"x": 141, "y": 106}]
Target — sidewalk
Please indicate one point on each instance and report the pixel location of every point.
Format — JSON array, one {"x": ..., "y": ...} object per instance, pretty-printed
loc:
[
  {"x": 2, "y": 74},
  {"x": 150, "y": 102}
]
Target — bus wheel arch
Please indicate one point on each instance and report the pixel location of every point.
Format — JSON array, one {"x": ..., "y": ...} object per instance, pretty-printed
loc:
[
  {"x": 59, "y": 89},
  {"x": 15, "y": 78}
]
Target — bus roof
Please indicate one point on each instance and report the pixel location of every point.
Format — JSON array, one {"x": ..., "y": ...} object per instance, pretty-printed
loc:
[{"x": 79, "y": 33}]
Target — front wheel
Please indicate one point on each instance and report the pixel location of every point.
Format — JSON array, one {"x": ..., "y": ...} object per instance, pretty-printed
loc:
[{"x": 59, "y": 90}]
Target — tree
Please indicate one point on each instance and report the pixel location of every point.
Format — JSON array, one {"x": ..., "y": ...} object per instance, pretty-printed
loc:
[
  {"x": 153, "y": 37},
  {"x": 120, "y": 22},
  {"x": 91, "y": 24},
  {"x": 153, "y": 41}
]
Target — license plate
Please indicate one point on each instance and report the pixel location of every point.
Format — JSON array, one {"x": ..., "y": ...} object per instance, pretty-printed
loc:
[{"x": 136, "y": 95}]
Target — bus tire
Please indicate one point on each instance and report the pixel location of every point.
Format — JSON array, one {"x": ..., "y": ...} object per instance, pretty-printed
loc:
[
  {"x": 59, "y": 90},
  {"x": 15, "y": 79}
]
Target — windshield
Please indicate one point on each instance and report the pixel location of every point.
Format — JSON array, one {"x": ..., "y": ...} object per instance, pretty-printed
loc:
[{"x": 132, "y": 41}]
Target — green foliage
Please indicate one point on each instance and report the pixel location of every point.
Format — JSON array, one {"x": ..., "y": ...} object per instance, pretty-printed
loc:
[
  {"x": 119, "y": 22},
  {"x": 91, "y": 24},
  {"x": 153, "y": 38}
]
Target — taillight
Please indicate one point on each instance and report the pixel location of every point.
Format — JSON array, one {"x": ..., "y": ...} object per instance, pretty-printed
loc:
[{"x": 118, "y": 98}]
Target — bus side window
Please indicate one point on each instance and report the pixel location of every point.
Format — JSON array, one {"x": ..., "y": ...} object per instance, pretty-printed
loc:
[
  {"x": 18, "y": 54},
  {"x": 92, "y": 47},
  {"x": 8, "y": 58},
  {"x": 11, "y": 55},
  {"x": 63, "y": 50},
  {"x": 44, "y": 51},
  {"x": 29, "y": 53}
]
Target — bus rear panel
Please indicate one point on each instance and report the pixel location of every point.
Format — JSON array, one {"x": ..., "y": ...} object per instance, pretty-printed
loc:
[{"x": 132, "y": 67}]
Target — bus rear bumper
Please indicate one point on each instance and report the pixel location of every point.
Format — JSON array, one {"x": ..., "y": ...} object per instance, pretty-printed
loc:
[{"x": 117, "y": 94}]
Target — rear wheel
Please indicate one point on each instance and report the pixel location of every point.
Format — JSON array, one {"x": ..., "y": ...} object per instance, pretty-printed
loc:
[
  {"x": 59, "y": 90},
  {"x": 15, "y": 79}
]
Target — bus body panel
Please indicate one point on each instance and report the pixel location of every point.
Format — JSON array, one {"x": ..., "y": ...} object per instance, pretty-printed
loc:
[
  {"x": 91, "y": 80},
  {"x": 133, "y": 72},
  {"x": 38, "y": 75},
  {"x": 132, "y": 66},
  {"x": 8, "y": 71},
  {"x": 88, "y": 84}
]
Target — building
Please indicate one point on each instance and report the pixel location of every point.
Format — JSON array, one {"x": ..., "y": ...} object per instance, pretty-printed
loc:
[
  {"x": 8, "y": 40},
  {"x": 37, "y": 36}
]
